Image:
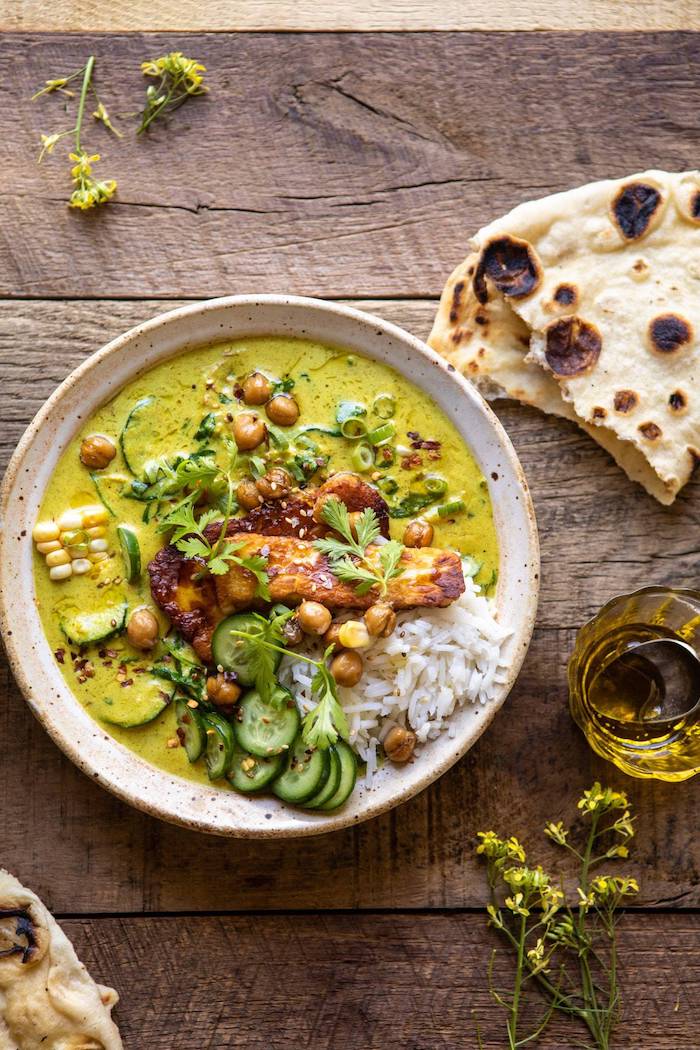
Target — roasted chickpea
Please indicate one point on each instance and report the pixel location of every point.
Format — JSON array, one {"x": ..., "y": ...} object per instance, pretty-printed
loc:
[
  {"x": 221, "y": 690},
  {"x": 142, "y": 629},
  {"x": 313, "y": 618},
  {"x": 332, "y": 636},
  {"x": 399, "y": 744},
  {"x": 247, "y": 494},
  {"x": 275, "y": 484},
  {"x": 248, "y": 431},
  {"x": 418, "y": 534},
  {"x": 97, "y": 451},
  {"x": 257, "y": 389},
  {"x": 347, "y": 668},
  {"x": 283, "y": 410},
  {"x": 380, "y": 620}
]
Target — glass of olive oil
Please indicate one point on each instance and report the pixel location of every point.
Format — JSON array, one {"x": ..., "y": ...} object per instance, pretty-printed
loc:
[{"x": 641, "y": 709}]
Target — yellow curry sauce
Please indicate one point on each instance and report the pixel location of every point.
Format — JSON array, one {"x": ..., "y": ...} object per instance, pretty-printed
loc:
[{"x": 184, "y": 390}]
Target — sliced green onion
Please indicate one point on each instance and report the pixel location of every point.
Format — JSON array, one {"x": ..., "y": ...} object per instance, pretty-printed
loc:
[
  {"x": 455, "y": 506},
  {"x": 380, "y": 435},
  {"x": 384, "y": 406},
  {"x": 362, "y": 457},
  {"x": 435, "y": 484},
  {"x": 353, "y": 428},
  {"x": 349, "y": 410}
]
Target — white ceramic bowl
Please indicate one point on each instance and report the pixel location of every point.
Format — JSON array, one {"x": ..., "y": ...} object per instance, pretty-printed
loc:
[{"x": 96, "y": 381}]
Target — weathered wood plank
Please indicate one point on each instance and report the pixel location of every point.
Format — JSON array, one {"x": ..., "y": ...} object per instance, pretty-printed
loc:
[
  {"x": 91, "y": 16},
  {"x": 88, "y": 852},
  {"x": 365, "y": 982},
  {"x": 334, "y": 165}
]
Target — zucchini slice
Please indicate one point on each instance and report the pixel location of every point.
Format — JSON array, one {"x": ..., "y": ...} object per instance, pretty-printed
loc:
[
  {"x": 135, "y": 706},
  {"x": 348, "y": 776},
  {"x": 305, "y": 773},
  {"x": 332, "y": 784},
  {"x": 220, "y": 746},
  {"x": 235, "y": 654},
  {"x": 84, "y": 628},
  {"x": 252, "y": 772},
  {"x": 131, "y": 552},
  {"x": 194, "y": 735},
  {"x": 267, "y": 728}
]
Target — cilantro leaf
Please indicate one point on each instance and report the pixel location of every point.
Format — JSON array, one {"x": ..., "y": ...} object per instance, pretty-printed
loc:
[
  {"x": 348, "y": 557},
  {"x": 327, "y": 720},
  {"x": 390, "y": 558},
  {"x": 347, "y": 571}
]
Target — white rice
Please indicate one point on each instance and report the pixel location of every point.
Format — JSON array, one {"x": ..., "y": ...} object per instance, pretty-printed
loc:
[{"x": 434, "y": 661}]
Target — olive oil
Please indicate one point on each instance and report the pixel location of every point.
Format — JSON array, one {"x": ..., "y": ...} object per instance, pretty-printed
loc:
[{"x": 634, "y": 683}]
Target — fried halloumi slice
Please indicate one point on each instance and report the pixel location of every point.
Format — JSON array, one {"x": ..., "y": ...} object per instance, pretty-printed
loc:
[{"x": 298, "y": 572}]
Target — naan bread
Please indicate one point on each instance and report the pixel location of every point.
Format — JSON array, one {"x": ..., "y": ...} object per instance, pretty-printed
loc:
[
  {"x": 586, "y": 304},
  {"x": 48, "y": 1001}
]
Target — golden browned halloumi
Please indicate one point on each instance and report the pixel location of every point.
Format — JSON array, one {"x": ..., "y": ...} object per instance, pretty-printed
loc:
[{"x": 299, "y": 572}]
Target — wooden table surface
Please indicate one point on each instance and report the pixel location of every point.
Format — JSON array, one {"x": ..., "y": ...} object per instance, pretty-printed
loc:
[{"x": 350, "y": 166}]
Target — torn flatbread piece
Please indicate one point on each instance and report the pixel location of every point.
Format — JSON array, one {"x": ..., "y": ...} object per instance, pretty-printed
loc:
[
  {"x": 48, "y": 1000},
  {"x": 587, "y": 305}
]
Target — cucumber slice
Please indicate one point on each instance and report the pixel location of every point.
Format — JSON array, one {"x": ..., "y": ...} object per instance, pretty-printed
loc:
[
  {"x": 305, "y": 773},
  {"x": 82, "y": 628},
  {"x": 220, "y": 745},
  {"x": 194, "y": 735},
  {"x": 131, "y": 552},
  {"x": 236, "y": 654},
  {"x": 267, "y": 729},
  {"x": 251, "y": 772},
  {"x": 348, "y": 776},
  {"x": 332, "y": 784},
  {"x": 135, "y": 706}
]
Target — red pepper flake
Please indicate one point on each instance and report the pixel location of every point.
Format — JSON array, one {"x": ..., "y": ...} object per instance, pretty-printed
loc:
[
  {"x": 127, "y": 682},
  {"x": 111, "y": 653},
  {"x": 60, "y": 655}
]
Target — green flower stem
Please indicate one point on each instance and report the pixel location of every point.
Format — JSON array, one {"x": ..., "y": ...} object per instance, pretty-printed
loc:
[
  {"x": 513, "y": 1019},
  {"x": 87, "y": 77}
]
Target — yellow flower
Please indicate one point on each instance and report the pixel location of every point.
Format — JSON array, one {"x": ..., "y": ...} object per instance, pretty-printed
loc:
[
  {"x": 598, "y": 800},
  {"x": 102, "y": 115},
  {"x": 47, "y": 144},
  {"x": 500, "y": 849},
  {"x": 89, "y": 192},
  {"x": 556, "y": 832},
  {"x": 538, "y": 958},
  {"x": 516, "y": 905}
]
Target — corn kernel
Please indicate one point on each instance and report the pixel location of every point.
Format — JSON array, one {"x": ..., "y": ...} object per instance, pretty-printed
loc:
[
  {"x": 95, "y": 546},
  {"x": 96, "y": 531},
  {"x": 81, "y": 565},
  {"x": 78, "y": 550},
  {"x": 70, "y": 519},
  {"x": 57, "y": 558},
  {"x": 94, "y": 516},
  {"x": 353, "y": 634},
  {"x": 97, "y": 556},
  {"x": 60, "y": 572},
  {"x": 48, "y": 546},
  {"x": 45, "y": 531}
]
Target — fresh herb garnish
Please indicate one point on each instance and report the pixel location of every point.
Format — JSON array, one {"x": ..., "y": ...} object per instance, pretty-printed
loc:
[
  {"x": 206, "y": 428},
  {"x": 327, "y": 720},
  {"x": 568, "y": 951},
  {"x": 179, "y": 78},
  {"x": 412, "y": 504},
  {"x": 341, "y": 553},
  {"x": 89, "y": 191},
  {"x": 349, "y": 410},
  {"x": 283, "y": 386}
]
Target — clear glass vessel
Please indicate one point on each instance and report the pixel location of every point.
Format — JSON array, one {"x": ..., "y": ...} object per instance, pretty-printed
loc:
[{"x": 633, "y": 712}]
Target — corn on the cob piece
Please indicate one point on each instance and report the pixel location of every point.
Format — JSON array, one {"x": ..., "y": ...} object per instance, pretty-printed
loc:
[{"x": 74, "y": 542}]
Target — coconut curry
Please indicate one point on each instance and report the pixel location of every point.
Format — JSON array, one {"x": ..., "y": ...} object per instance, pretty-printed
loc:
[{"x": 187, "y": 490}]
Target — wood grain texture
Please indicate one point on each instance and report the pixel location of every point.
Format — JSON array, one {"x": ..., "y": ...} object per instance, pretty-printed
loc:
[
  {"x": 88, "y": 852},
  {"x": 339, "y": 165},
  {"x": 363, "y": 982},
  {"x": 224, "y": 15}
]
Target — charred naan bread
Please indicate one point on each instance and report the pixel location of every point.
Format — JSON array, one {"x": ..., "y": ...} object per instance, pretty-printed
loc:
[
  {"x": 587, "y": 305},
  {"x": 48, "y": 1001}
]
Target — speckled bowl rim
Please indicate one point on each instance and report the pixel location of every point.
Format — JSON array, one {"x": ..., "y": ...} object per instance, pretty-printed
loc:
[{"x": 133, "y": 779}]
